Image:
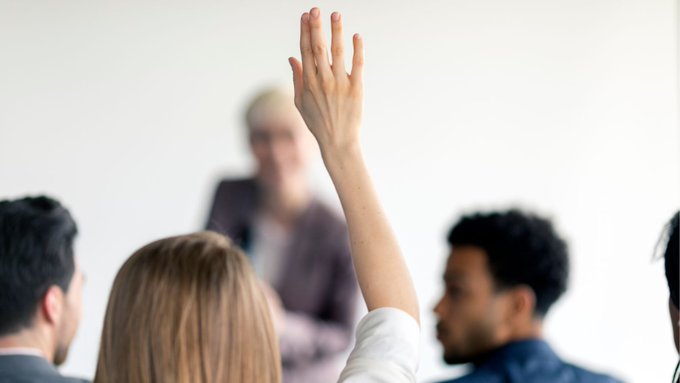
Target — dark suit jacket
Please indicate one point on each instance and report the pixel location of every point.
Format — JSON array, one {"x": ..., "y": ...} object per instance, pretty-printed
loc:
[
  {"x": 30, "y": 369},
  {"x": 318, "y": 286}
]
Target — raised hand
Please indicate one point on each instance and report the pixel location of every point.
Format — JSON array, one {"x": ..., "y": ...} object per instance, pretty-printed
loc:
[
  {"x": 331, "y": 103},
  {"x": 329, "y": 99}
]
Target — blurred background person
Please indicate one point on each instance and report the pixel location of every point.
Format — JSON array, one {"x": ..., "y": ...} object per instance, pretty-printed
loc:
[
  {"x": 671, "y": 257},
  {"x": 40, "y": 290},
  {"x": 505, "y": 270},
  {"x": 298, "y": 246}
]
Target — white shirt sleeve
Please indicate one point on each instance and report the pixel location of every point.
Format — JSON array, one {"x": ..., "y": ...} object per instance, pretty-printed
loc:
[{"x": 386, "y": 349}]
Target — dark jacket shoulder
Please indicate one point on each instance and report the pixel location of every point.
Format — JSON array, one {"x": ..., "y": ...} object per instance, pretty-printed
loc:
[
  {"x": 323, "y": 217},
  {"x": 233, "y": 206},
  {"x": 31, "y": 369},
  {"x": 529, "y": 361}
]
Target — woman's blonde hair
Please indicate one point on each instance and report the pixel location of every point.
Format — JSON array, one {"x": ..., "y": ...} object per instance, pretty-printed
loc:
[
  {"x": 188, "y": 309},
  {"x": 269, "y": 101}
]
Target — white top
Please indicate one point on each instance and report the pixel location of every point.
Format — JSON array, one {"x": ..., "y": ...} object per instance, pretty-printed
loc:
[
  {"x": 269, "y": 241},
  {"x": 386, "y": 349}
]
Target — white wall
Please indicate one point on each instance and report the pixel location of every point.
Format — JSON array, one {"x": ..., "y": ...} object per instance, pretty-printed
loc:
[{"x": 128, "y": 111}]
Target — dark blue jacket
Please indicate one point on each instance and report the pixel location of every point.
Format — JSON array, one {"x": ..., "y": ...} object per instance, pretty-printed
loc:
[{"x": 529, "y": 361}]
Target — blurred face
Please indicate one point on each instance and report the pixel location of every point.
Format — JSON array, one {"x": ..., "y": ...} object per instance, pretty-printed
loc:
[
  {"x": 470, "y": 313},
  {"x": 281, "y": 145},
  {"x": 70, "y": 318}
]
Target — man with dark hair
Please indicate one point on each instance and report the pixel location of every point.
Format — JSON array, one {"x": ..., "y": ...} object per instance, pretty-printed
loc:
[
  {"x": 40, "y": 290},
  {"x": 504, "y": 272},
  {"x": 672, "y": 263}
]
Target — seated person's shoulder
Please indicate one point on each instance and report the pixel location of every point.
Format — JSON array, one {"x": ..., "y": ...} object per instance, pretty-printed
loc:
[
  {"x": 478, "y": 377},
  {"x": 75, "y": 380},
  {"x": 587, "y": 376},
  {"x": 567, "y": 373},
  {"x": 40, "y": 377}
]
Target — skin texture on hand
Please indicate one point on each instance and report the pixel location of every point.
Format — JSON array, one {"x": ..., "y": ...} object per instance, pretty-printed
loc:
[
  {"x": 331, "y": 102},
  {"x": 329, "y": 99}
]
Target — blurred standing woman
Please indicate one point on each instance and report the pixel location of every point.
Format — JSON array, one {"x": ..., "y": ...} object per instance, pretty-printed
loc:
[
  {"x": 189, "y": 308},
  {"x": 297, "y": 245}
]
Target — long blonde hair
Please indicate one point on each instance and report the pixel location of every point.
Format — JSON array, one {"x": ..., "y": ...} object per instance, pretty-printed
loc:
[{"x": 188, "y": 309}]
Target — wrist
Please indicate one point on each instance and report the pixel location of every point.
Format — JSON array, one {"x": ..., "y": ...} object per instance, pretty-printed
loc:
[{"x": 339, "y": 157}]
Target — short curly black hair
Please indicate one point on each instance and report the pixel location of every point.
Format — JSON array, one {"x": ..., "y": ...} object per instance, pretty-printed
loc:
[{"x": 522, "y": 249}]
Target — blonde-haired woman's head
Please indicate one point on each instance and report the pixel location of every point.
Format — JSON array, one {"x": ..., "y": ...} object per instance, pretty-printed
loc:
[
  {"x": 188, "y": 309},
  {"x": 280, "y": 142}
]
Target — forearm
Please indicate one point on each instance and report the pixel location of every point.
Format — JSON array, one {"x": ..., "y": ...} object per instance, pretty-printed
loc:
[
  {"x": 331, "y": 103},
  {"x": 381, "y": 271}
]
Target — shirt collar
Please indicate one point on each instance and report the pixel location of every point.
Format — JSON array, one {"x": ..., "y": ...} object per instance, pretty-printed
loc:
[
  {"x": 21, "y": 351},
  {"x": 518, "y": 351}
]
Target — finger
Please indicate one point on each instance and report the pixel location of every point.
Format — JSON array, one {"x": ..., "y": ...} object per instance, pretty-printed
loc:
[
  {"x": 298, "y": 82},
  {"x": 357, "y": 60},
  {"x": 308, "y": 65},
  {"x": 323, "y": 68},
  {"x": 337, "y": 46}
]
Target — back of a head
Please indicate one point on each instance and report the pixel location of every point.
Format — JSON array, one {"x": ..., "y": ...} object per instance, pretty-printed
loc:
[
  {"x": 522, "y": 249},
  {"x": 36, "y": 252},
  {"x": 188, "y": 309},
  {"x": 671, "y": 258}
]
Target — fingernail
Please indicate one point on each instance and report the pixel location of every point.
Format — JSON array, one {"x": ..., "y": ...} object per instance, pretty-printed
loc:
[
  {"x": 335, "y": 16},
  {"x": 305, "y": 17},
  {"x": 315, "y": 12}
]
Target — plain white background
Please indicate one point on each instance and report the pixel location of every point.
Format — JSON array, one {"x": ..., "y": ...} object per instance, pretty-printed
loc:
[{"x": 129, "y": 111}]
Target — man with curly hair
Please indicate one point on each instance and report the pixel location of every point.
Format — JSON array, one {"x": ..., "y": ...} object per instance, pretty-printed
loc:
[
  {"x": 671, "y": 257},
  {"x": 504, "y": 272}
]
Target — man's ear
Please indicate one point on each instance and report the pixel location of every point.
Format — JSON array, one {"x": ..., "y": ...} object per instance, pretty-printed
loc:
[
  {"x": 52, "y": 304},
  {"x": 523, "y": 302}
]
